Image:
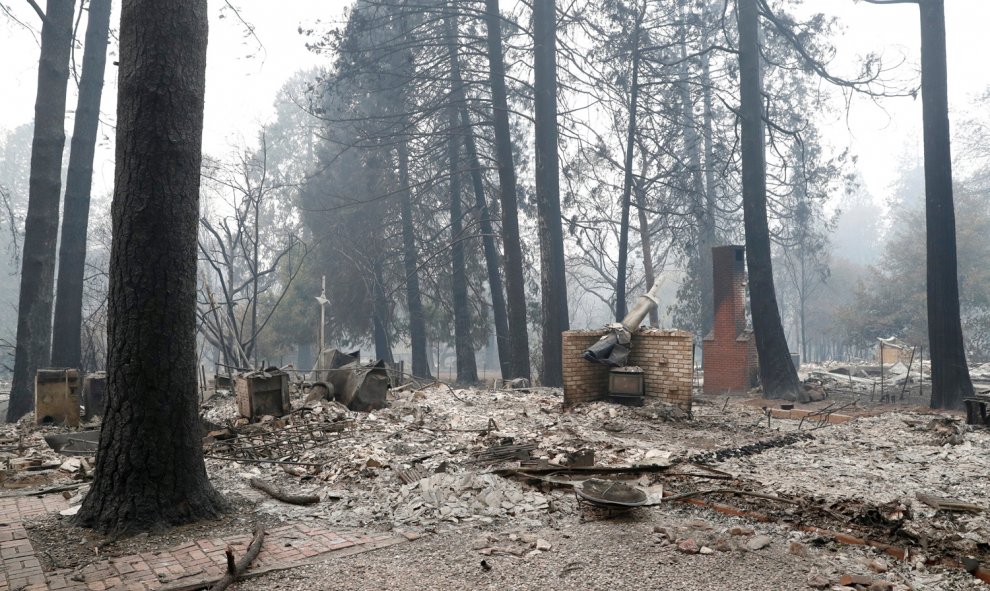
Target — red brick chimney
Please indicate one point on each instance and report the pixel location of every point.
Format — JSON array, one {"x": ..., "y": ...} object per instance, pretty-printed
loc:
[{"x": 729, "y": 362}]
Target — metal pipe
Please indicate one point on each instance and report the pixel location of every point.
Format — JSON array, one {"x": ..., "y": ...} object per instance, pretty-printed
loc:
[{"x": 642, "y": 307}]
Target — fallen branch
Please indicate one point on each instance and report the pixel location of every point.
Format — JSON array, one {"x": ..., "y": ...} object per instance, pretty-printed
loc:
[
  {"x": 277, "y": 493},
  {"x": 943, "y": 504},
  {"x": 44, "y": 491},
  {"x": 235, "y": 570},
  {"x": 551, "y": 470},
  {"x": 732, "y": 491}
]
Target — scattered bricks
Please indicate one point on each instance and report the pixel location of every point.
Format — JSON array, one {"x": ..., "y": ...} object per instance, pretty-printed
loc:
[{"x": 849, "y": 580}]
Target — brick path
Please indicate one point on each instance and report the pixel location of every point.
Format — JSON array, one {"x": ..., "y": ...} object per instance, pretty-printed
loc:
[{"x": 183, "y": 565}]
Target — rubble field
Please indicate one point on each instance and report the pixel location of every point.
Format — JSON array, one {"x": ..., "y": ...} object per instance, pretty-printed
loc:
[{"x": 483, "y": 484}]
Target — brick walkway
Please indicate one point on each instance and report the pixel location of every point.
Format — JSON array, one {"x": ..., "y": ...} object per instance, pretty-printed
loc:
[{"x": 174, "y": 568}]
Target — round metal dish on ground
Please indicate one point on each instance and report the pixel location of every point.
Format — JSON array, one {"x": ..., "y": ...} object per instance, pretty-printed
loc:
[{"x": 607, "y": 493}]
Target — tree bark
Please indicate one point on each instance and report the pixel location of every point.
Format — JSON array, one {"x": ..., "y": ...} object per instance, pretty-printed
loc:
[
  {"x": 67, "y": 329},
  {"x": 514, "y": 282},
  {"x": 644, "y": 238},
  {"x": 777, "y": 373},
  {"x": 950, "y": 374},
  {"x": 150, "y": 471},
  {"x": 492, "y": 262},
  {"x": 553, "y": 278},
  {"x": 34, "y": 311},
  {"x": 414, "y": 302},
  {"x": 620, "y": 275},
  {"x": 467, "y": 367},
  {"x": 703, "y": 213},
  {"x": 383, "y": 347}
]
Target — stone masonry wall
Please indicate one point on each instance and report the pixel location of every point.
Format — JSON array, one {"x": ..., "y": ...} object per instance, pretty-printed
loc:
[{"x": 664, "y": 355}]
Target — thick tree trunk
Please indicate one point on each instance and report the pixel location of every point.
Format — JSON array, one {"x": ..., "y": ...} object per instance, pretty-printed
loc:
[
  {"x": 67, "y": 329},
  {"x": 553, "y": 279},
  {"x": 950, "y": 374},
  {"x": 414, "y": 302},
  {"x": 383, "y": 346},
  {"x": 627, "y": 182},
  {"x": 34, "y": 312},
  {"x": 492, "y": 263},
  {"x": 149, "y": 470},
  {"x": 777, "y": 373},
  {"x": 703, "y": 214},
  {"x": 467, "y": 367},
  {"x": 514, "y": 283}
]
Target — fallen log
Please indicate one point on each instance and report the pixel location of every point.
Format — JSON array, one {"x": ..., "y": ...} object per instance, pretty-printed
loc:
[
  {"x": 277, "y": 493},
  {"x": 235, "y": 570}
]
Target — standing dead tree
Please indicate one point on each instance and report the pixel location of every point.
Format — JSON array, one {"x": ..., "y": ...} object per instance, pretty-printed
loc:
[
  {"x": 67, "y": 325},
  {"x": 150, "y": 471},
  {"x": 777, "y": 374},
  {"x": 34, "y": 311},
  {"x": 252, "y": 254}
]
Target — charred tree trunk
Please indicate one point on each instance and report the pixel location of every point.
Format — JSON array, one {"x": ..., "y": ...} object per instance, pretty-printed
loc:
[
  {"x": 709, "y": 164},
  {"x": 492, "y": 263},
  {"x": 620, "y": 275},
  {"x": 553, "y": 279},
  {"x": 150, "y": 471},
  {"x": 67, "y": 329},
  {"x": 703, "y": 213},
  {"x": 950, "y": 374},
  {"x": 644, "y": 238},
  {"x": 414, "y": 302},
  {"x": 514, "y": 283},
  {"x": 467, "y": 367},
  {"x": 777, "y": 373},
  {"x": 383, "y": 347},
  {"x": 34, "y": 312}
]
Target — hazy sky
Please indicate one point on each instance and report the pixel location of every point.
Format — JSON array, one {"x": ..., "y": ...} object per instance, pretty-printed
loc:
[{"x": 242, "y": 78}]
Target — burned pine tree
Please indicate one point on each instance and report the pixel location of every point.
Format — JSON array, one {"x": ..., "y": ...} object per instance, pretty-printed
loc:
[
  {"x": 67, "y": 325},
  {"x": 150, "y": 471},
  {"x": 410, "y": 256},
  {"x": 34, "y": 311},
  {"x": 950, "y": 374},
  {"x": 364, "y": 104},
  {"x": 777, "y": 373},
  {"x": 467, "y": 368},
  {"x": 627, "y": 177},
  {"x": 553, "y": 283},
  {"x": 511, "y": 246}
]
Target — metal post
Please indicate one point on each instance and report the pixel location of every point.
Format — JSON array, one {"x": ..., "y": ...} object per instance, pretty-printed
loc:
[
  {"x": 322, "y": 299},
  {"x": 882, "y": 392}
]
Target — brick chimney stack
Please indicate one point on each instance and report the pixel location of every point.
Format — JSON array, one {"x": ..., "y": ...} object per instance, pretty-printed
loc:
[{"x": 730, "y": 362}]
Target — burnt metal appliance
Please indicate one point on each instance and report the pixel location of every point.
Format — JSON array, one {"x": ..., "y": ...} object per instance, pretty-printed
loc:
[
  {"x": 626, "y": 385},
  {"x": 261, "y": 393}
]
